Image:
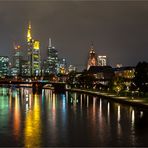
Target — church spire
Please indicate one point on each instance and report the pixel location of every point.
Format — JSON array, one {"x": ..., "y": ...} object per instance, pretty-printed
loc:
[
  {"x": 92, "y": 59},
  {"x": 29, "y": 37}
]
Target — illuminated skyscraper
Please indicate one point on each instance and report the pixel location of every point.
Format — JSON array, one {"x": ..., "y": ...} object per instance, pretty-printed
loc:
[
  {"x": 16, "y": 69},
  {"x": 4, "y": 66},
  {"x": 92, "y": 59},
  {"x": 33, "y": 55},
  {"x": 52, "y": 62},
  {"x": 102, "y": 60},
  {"x": 29, "y": 51},
  {"x": 29, "y": 36},
  {"x": 36, "y": 61}
]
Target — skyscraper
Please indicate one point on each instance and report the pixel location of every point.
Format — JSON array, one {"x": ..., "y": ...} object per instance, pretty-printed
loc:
[
  {"x": 29, "y": 50},
  {"x": 52, "y": 61},
  {"x": 36, "y": 60},
  {"x": 33, "y": 55},
  {"x": 4, "y": 66},
  {"x": 92, "y": 58},
  {"x": 16, "y": 69}
]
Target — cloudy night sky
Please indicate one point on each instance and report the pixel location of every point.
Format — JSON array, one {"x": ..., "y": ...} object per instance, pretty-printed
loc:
[{"x": 118, "y": 29}]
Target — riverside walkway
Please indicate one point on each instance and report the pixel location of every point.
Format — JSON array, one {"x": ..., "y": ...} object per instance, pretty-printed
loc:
[{"x": 133, "y": 101}]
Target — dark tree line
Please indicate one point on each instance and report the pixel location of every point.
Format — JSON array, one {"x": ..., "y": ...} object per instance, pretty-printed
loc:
[{"x": 141, "y": 77}]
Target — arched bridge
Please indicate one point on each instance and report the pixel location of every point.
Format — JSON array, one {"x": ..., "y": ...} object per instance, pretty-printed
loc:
[{"x": 36, "y": 85}]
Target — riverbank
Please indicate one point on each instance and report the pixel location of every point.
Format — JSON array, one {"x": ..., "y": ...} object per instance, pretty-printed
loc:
[{"x": 133, "y": 101}]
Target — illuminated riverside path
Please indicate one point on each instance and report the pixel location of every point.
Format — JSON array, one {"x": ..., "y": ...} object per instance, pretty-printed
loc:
[{"x": 69, "y": 119}]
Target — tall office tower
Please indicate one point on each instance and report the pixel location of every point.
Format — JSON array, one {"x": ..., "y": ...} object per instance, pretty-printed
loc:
[
  {"x": 29, "y": 50},
  {"x": 92, "y": 59},
  {"x": 17, "y": 60},
  {"x": 102, "y": 60},
  {"x": 33, "y": 55},
  {"x": 24, "y": 68},
  {"x": 52, "y": 60},
  {"x": 4, "y": 66},
  {"x": 36, "y": 60}
]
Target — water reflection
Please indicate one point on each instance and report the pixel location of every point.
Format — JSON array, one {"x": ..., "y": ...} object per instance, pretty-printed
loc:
[
  {"x": 69, "y": 119},
  {"x": 108, "y": 112},
  {"x": 118, "y": 114},
  {"x": 4, "y": 109},
  {"x": 33, "y": 125},
  {"x": 17, "y": 115}
]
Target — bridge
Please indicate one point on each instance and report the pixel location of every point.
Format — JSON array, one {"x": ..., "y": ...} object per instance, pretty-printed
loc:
[{"x": 37, "y": 85}]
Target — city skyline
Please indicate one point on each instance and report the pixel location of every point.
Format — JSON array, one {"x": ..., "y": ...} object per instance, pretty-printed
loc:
[{"x": 118, "y": 29}]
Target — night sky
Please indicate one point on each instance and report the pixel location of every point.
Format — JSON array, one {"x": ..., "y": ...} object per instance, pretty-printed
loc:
[{"x": 118, "y": 29}]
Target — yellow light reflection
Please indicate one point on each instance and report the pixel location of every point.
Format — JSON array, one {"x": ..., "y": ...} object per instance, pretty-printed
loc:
[
  {"x": 16, "y": 117},
  {"x": 101, "y": 121},
  {"x": 87, "y": 100},
  {"x": 81, "y": 100},
  {"x": 94, "y": 108},
  {"x": 141, "y": 114},
  {"x": 108, "y": 112},
  {"x": 33, "y": 125},
  {"x": 94, "y": 104},
  {"x": 133, "y": 117},
  {"x": 118, "y": 114},
  {"x": 133, "y": 127},
  {"x": 100, "y": 107},
  {"x": 10, "y": 99}
]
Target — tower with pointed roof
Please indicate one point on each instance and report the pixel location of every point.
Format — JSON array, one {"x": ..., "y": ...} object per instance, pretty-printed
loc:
[
  {"x": 92, "y": 58},
  {"x": 51, "y": 64},
  {"x": 29, "y": 36},
  {"x": 33, "y": 54}
]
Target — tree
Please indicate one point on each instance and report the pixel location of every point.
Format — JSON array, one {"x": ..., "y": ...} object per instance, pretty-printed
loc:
[
  {"x": 86, "y": 80},
  {"x": 119, "y": 84},
  {"x": 71, "y": 78},
  {"x": 141, "y": 77}
]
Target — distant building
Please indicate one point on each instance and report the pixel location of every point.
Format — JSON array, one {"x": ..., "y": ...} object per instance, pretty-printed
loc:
[
  {"x": 102, "y": 60},
  {"x": 62, "y": 66},
  {"x": 71, "y": 68},
  {"x": 4, "y": 66},
  {"x": 102, "y": 73},
  {"x": 52, "y": 62},
  {"x": 92, "y": 58},
  {"x": 125, "y": 72},
  {"x": 16, "y": 69},
  {"x": 119, "y": 65},
  {"x": 24, "y": 67}
]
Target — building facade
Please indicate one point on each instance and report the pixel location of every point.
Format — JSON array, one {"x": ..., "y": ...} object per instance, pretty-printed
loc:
[
  {"x": 33, "y": 55},
  {"x": 92, "y": 58},
  {"x": 17, "y": 58},
  {"x": 102, "y": 60},
  {"x": 52, "y": 62},
  {"x": 4, "y": 66}
]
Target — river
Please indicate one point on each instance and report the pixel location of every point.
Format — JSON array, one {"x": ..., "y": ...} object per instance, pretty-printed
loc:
[{"x": 69, "y": 119}]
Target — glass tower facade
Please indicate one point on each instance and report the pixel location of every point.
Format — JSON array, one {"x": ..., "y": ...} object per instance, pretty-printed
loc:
[
  {"x": 4, "y": 66},
  {"x": 52, "y": 62}
]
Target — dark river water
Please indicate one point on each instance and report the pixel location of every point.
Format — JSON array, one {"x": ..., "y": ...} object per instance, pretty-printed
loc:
[{"x": 70, "y": 119}]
